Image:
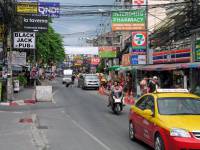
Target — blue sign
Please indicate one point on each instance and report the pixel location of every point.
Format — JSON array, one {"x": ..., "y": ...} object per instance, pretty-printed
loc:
[
  {"x": 134, "y": 59},
  {"x": 50, "y": 9}
]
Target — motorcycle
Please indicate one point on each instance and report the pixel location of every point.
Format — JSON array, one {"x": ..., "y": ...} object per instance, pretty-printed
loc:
[{"x": 117, "y": 101}]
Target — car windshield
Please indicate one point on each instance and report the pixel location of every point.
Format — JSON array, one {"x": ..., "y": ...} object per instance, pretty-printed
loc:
[
  {"x": 91, "y": 77},
  {"x": 179, "y": 106}
]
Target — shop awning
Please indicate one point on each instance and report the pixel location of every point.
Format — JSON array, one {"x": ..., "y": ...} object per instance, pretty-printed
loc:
[
  {"x": 163, "y": 67},
  {"x": 114, "y": 68}
]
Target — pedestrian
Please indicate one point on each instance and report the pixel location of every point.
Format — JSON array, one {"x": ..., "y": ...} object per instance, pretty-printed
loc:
[
  {"x": 144, "y": 86},
  {"x": 153, "y": 84}
]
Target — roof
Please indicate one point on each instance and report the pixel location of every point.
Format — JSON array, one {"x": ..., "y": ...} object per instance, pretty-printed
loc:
[{"x": 179, "y": 95}]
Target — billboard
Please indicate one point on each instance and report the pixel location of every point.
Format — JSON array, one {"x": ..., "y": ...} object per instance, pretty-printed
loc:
[
  {"x": 50, "y": 9},
  {"x": 35, "y": 23},
  {"x": 107, "y": 52},
  {"x": 27, "y": 7},
  {"x": 128, "y": 20},
  {"x": 24, "y": 40}
]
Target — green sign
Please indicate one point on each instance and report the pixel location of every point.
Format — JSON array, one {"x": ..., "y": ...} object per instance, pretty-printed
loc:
[
  {"x": 129, "y": 16},
  {"x": 197, "y": 50},
  {"x": 108, "y": 54}
]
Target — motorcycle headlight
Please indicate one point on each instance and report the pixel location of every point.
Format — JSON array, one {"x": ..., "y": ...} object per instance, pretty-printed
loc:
[{"x": 176, "y": 132}]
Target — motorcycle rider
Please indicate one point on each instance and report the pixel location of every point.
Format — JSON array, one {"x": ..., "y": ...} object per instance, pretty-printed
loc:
[{"x": 115, "y": 87}]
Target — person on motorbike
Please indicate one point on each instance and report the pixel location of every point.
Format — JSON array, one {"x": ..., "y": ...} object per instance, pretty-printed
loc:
[{"x": 116, "y": 87}]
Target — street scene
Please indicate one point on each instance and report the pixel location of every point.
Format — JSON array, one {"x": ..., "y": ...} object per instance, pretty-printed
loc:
[{"x": 100, "y": 75}]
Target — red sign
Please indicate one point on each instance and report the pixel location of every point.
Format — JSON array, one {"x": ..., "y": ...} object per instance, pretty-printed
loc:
[{"x": 95, "y": 61}]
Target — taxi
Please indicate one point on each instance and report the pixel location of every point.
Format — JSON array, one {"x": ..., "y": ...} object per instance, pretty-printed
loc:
[{"x": 168, "y": 119}]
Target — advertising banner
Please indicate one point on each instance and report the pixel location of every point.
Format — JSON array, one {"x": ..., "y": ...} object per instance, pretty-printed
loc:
[
  {"x": 1, "y": 32},
  {"x": 50, "y": 9},
  {"x": 95, "y": 61},
  {"x": 27, "y": 8},
  {"x": 35, "y": 23},
  {"x": 128, "y": 20},
  {"x": 107, "y": 52},
  {"x": 138, "y": 59},
  {"x": 19, "y": 58},
  {"x": 139, "y": 42},
  {"x": 126, "y": 60},
  {"x": 24, "y": 40},
  {"x": 197, "y": 50}
]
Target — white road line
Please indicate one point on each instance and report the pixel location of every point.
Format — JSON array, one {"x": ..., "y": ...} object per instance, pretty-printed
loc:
[{"x": 89, "y": 134}]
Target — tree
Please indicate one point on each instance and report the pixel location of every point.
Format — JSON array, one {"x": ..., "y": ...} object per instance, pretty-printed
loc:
[{"x": 50, "y": 48}]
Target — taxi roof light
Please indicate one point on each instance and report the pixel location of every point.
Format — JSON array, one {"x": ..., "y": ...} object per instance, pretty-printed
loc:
[{"x": 172, "y": 91}]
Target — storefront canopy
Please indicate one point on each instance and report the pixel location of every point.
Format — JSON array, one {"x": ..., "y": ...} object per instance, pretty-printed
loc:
[
  {"x": 163, "y": 67},
  {"x": 114, "y": 68}
]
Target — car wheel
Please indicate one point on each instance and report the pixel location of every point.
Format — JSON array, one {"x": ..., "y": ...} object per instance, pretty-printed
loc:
[
  {"x": 131, "y": 131},
  {"x": 158, "y": 143}
]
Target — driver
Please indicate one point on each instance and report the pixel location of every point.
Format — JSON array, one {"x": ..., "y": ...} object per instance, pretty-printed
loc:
[{"x": 115, "y": 88}]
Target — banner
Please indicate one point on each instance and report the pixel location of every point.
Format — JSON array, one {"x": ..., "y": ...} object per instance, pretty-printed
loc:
[
  {"x": 107, "y": 52},
  {"x": 24, "y": 40},
  {"x": 129, "y": 20},
  {"x": 35, "y": 23},
  {"x": 19, "y": 58},
  {"x": 197, "y": 50},
  {"x": 27, "y": 7},
  {"x": 50, "y": 9}
]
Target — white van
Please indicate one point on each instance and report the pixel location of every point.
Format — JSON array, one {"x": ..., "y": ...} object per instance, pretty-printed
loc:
[{"x": 67, "y": 76}]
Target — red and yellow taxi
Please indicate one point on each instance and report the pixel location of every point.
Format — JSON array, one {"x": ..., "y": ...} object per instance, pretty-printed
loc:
[{"x": 168, "y": 119}]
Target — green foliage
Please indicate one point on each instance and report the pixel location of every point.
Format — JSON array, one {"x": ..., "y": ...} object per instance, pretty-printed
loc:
[
  {"x": 22, "y": 80},
  {"x": 50, "y": 47}
]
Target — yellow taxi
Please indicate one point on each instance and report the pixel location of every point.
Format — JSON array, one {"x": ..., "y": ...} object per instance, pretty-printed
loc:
[{"x": 168, "y": 119}]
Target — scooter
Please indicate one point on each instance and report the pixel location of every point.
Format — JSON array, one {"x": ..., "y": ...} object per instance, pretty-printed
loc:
[{"x": 117, "y": 102}]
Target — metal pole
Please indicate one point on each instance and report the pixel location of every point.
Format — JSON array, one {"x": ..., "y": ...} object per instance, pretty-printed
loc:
[
  {"x": 147, "y": 38},
  {"x": 34, "y": 61}
]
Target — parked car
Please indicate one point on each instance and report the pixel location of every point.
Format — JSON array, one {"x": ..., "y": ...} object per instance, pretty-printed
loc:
[
  {"x": 88, "y": 81},
  {"x": 166, "y": 120}
]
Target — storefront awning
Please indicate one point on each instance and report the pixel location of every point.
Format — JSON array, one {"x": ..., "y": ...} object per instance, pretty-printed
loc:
[
  {"x": 163, "y": 67},
  {"x": 114, "y": 68}
]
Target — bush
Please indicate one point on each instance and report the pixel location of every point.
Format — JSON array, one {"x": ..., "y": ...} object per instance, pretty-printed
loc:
[{"x": 22, "y": 80}]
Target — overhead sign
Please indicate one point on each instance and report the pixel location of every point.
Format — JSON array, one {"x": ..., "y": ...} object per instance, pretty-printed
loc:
[
  {"x": 35, "y": 23},
  {"x": 107, "y": 52},
  {"x": 19, "y": 58},
  {"x": 24, "y": 40},
  {"x": 50, "y": 9},
  {"x": 129, "y": 20},
  {"x": 27, "y": 7},
  {"x": 197, "y": 50}
]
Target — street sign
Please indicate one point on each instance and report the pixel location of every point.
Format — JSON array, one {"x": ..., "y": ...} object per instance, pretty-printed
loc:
[
  {"x": 27, "y": 7},
  {"x": 129, "y": 20},
  {"x": 24, "y": 40},
  {"x": 35, "y": 23},
  {"x": 50, "y": 9}
]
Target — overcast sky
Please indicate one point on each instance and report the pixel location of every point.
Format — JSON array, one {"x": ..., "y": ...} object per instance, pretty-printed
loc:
[{"x": 77, "y": 28}]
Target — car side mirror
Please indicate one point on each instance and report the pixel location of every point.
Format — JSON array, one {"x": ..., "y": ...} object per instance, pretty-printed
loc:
[{"x": 148, "y": 112}]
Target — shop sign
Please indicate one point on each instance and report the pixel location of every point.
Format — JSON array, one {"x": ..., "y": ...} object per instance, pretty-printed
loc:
[
  {"x": 139, "y": 42},
  {"x": 1, "y": 32},
  {"x": 197, "y": 50},
  {"x": 128, "y": 20},
  {"x": 126, "y": 60},
  {"x": 50, "y": 9},
  {"x": 19, "y": 58},
  {"x": 139, "y": 2},
  {"x": 24, "y": 40},
  {"x": 27, "y": 7},
  {"x": 35, "y": 23},
  {"x": 95, "y": 61},
  {"x": 108, "y": 52},
  {"x": 138, "y": 59}
]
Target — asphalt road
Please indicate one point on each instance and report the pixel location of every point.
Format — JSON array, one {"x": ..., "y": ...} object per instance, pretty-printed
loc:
[{"x": 81, "y": 121}]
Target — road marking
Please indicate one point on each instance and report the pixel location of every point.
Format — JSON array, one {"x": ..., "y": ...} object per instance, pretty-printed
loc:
[{"x": 88, "y": 133}]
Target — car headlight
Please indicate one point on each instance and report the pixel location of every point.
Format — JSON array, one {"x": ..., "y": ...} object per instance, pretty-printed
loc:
[{"x": 176, "y": 132}]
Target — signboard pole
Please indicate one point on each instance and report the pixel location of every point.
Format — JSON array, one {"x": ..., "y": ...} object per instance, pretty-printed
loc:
[
  {"x": 147, "y": 35},
  {"x": 34, "y": 60}
]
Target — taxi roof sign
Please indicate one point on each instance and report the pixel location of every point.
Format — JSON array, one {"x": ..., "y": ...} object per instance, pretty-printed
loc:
[{"x": 172, "y": 91}]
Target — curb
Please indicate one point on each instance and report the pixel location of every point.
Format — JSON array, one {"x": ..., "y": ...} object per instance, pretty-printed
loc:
[{"x": 19, "y": 103}]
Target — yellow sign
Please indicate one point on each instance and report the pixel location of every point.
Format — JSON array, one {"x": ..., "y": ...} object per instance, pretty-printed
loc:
[
  {"x": 1, "y": 32},
  {"x": 27, "y": 8}
]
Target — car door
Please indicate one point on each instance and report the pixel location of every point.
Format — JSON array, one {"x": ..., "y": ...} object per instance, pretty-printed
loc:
[
  {"x": 148, "y": 121},
  {"x": 138, "y": 118}
]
